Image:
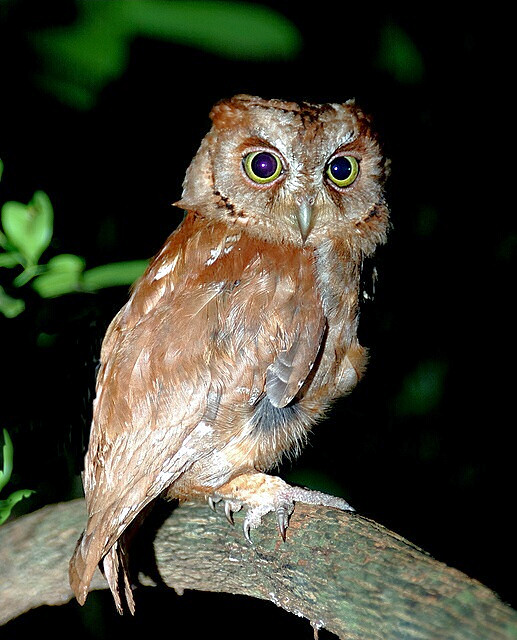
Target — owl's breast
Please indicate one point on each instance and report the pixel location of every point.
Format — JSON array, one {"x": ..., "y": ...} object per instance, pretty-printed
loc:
[
  {"x": 341, "y": 360},
  {"x": 258, "y": 443}
]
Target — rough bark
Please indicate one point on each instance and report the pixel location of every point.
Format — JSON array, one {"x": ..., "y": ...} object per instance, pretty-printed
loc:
[{"x": 341, "y": 571}]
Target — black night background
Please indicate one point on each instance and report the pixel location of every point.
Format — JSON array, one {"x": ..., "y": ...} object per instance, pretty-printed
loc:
[{"x": 103, "y": 112}]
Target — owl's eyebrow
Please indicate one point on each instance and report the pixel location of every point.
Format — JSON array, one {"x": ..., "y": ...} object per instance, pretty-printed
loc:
[
  {"x": 255, "y": 141},
  {"x": 346, "y": 140}
]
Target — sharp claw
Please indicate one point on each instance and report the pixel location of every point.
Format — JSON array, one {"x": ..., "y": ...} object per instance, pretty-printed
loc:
[
  {"x": 247, "y": 530},
  {"x": 282, "y": 520},
  {"x": 228, "y": 513},
  {"x": 275, "y": 496}
]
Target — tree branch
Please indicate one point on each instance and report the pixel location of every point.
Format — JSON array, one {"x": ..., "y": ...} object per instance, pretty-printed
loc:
[{"x": 341, "y": 571}]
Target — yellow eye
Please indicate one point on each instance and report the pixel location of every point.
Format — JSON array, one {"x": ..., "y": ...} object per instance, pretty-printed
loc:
[
  {"x": 343, "y": 170},
  {"x": 262, "y": 166}
]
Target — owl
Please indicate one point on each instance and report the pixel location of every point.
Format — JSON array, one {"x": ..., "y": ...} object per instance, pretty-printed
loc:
[{"x": 243, "y": 329}]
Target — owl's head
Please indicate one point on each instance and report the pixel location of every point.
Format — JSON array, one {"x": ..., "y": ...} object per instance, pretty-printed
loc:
[{"x": 291, "y": 172}]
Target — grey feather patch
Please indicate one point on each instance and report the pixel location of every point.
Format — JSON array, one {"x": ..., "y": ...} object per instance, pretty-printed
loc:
[
  {"x": 284, "y": 428},
  {"x": 269, "y": 419},
  {"x": 278, "y": 378},
  {"x": 288, "y": 372}
]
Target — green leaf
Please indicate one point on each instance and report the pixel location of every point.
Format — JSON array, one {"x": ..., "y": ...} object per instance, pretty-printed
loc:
[
  {"x": 422, "y": 390},
  {"x": 29, "y": 227},
  {"x": 231, "y": 29},
  {"x": 7, "y": 452},
  {"x": 46, "y": 340},
  {"x": 113, "y": 275},
  {"x": 1, "y": 168},
  {"x": 63, "y": 275},
  {"x": 10, "y": 307},
  {"x": 66, "y": 263},
  {"x": 5, "y": 475},
  {"x": 399, "y": 56},
  {"x": 79, "y": 60},
  {"x": 9, "y": 259},
  {"x": 53, "y": 285},
  {"x": 7, "y": 505},
  {"x": 27, "y": 275}
]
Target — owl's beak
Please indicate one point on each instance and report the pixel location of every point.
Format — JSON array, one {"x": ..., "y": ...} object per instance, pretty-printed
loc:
[{"x": 304, "y": 216}]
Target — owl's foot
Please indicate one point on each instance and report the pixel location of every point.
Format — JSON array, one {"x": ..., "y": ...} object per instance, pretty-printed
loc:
[{"x": 262, "y": 493}]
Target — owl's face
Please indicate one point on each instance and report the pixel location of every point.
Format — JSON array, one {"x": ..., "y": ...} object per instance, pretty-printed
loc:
[{"x": 297, "y": 173}]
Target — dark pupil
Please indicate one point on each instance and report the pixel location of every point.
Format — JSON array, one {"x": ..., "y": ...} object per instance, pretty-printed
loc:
[
  {"x": 340, "y": 168},
  {"x": 264, "y": 165}
]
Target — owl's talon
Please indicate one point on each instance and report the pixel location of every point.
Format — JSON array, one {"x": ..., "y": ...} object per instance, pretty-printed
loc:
[
  {"x": 228, "y": 512},
  {"x": 254, "y": 515},
  {"x": 213, "y": 501},
  {"x": 273, "y": 494},
  {"x": 282, "y": 519}
]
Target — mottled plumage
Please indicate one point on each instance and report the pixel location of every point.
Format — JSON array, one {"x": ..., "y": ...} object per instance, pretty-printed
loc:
[{"x": 243, "y": 329}]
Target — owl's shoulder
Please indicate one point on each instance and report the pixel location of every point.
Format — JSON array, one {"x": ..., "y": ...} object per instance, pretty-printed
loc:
[
  {"x": 206, "y": 272},
  {"x": 202, "y": 254}
]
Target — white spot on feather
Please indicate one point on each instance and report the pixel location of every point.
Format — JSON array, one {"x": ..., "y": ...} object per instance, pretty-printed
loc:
[
  {"x": 166, "y": 268},
  {"x": 203, "y": 429},
  {"x": 124, "y": 512},
  {"x": 214, "y": 254}
]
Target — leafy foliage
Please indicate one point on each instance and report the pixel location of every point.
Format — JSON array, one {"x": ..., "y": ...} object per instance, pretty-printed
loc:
[
  {"x": 28, "y": 228},
  {"x": 27, "y": 233},
  {"x": 398, "y": 55},
  {"x": 422, "y": 389},
  {"x": 7, "y": 504},
  {"x": 79, "y": 60}
]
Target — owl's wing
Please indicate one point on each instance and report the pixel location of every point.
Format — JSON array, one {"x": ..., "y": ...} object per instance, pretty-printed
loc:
[
  {"x": 287, "y": 373},
  {"x": 217, "y": 320}
]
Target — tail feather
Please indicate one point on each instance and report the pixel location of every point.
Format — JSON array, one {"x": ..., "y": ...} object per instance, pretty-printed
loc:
[
  {"x": 114, "y": 564},
  {"x": 80, "y": 571},
  {"x": 117, "y": 574}
]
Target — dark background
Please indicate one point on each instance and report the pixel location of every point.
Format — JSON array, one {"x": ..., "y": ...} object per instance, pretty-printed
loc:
[{"x": 425, "y": 445}]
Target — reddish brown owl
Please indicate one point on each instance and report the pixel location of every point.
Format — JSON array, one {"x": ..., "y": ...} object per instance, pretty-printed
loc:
[{"x": 243, "y": 329}]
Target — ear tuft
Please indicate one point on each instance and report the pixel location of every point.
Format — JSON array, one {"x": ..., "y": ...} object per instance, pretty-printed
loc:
[{"x": 228, "y": 112}]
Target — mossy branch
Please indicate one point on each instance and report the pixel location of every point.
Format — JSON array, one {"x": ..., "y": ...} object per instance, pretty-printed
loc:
[{"x": 340, "y": 571}]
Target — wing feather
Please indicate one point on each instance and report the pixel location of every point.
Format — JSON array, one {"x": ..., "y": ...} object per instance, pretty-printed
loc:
[{"x": 203, "y": 321}]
